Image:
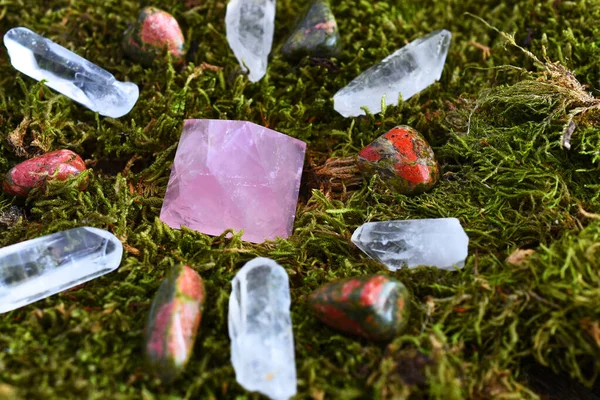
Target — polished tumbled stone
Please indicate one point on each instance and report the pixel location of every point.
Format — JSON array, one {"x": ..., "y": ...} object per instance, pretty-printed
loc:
[
  {"x": 69, "y": 74},
  {"x": 440, "y": 243},
  {"x": 173, "y": 322},
  {"x": 57, "y": 165},
  {"x": 154, "y": 32},
  {"x": 38, "y": 268},
  {"x": 260, "y": 328},
  {"x": 316, "y": 35},
  {"x": 374, "y": 306},
  {"x": 403, "y": 159},
  {"x": 234, "y": 175},
  {"x": 250, "y": 25},
  {"x": 406, "y": 72}
]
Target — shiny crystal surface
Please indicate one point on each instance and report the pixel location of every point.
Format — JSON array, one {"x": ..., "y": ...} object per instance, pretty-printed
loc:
[
  {"x": 406, "y": 72},
  {"x": 250, "y": 26},
  {"x": 69, "y": 74},
  {"x": 260, "y": 328},
  {"x": 38, "y": 268},
  {"x": 234, "y": 175},
  {"x": 440, "y": 243}
]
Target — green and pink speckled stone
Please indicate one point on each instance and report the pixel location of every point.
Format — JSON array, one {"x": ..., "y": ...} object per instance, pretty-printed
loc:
[
  {"x": 403, "y": 159},
  {"x": 173, "y": 322},
  {"x": 35, "y": 172},
  {"x": 374, "y": 307},
  {"x": 154, "y": 32},
  {"x": 316, "y": 35}
]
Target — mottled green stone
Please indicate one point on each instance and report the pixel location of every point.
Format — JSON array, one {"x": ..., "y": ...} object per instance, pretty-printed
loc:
[
  {"x": 374, "y": 306},
  {"x": 154, "y": 32},
  {"x": 173, "y": 322},
  {"x": 316, "y": 35},
  {"x": 403, "y": 159}
]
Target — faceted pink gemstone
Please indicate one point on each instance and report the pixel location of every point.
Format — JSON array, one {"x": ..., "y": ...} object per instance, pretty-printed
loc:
[{"x": 234, "y": 175}]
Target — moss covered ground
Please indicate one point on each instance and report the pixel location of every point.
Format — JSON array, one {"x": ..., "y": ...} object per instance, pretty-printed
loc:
[{"x": 495, "y": 120}]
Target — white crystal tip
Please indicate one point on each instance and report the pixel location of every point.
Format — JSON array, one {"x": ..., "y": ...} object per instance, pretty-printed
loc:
[
  {"x": 440, "y": 243},
  {"x": 69, "y": 74},
  {"x": 260, "y": 328},
  {"x": 404, "y": 73},
  {"x": 35, "y": 269},
  {"x": 250, "y": 25}
]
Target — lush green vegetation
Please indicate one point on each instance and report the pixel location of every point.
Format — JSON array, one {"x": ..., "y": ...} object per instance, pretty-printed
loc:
[{"x": 495, "y": 121}]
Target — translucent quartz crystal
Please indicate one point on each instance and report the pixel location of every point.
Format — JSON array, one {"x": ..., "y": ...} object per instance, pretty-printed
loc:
[
  {"x": 440, "y": 243},
  {"x": 250, "y": 26},
  {"x": 234, "y": 175},
  {"x": 406, "y": 72},
  {"x": 260, "y": 328},
  {"x": 38, "y": 268},
  {"x": 69, "y": 74}
]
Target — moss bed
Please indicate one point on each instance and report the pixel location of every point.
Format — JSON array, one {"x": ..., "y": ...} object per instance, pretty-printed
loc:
[{"x": 525, "y": 329}]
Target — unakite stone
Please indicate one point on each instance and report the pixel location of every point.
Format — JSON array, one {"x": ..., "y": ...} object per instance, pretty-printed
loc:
[
  {"x": 173, "y": 322},
  {"x": 154, "y": 32},
  {"x": 403, "y": 159},
  {"x": 375, "y": 307},
  {"x": 316, "y": 35},
  {"x": 35, "y": 172},
  {"x": 38, "y": 268}
]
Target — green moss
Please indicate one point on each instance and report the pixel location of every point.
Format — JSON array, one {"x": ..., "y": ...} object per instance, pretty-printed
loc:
[{"x": 496, "y": 130}]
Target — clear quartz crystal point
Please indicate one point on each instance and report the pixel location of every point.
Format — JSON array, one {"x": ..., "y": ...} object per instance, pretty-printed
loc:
[
  {"x": 69, "y": 74},
  {"x": 260, "y": 328},
  {"x": 250, "y": 26},
  {"x": 38, "y": 268},
  {"x": 406, "y": 72},
  {"x": 440, "y": 243}
]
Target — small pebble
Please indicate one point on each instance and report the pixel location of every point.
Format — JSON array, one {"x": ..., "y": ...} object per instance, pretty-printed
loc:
[
  {"x": 374, "y": 307},
  {"x": 35, "y": 172},
  {"x": 173, "y": 322},
  {"x": 403, "y": 159},
  {"x": 154, "y": 31},
  {"x": 316, "y": 35}
]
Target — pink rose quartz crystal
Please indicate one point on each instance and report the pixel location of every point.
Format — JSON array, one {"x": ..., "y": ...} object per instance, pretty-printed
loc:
[{"x": 234, "y": 175}]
